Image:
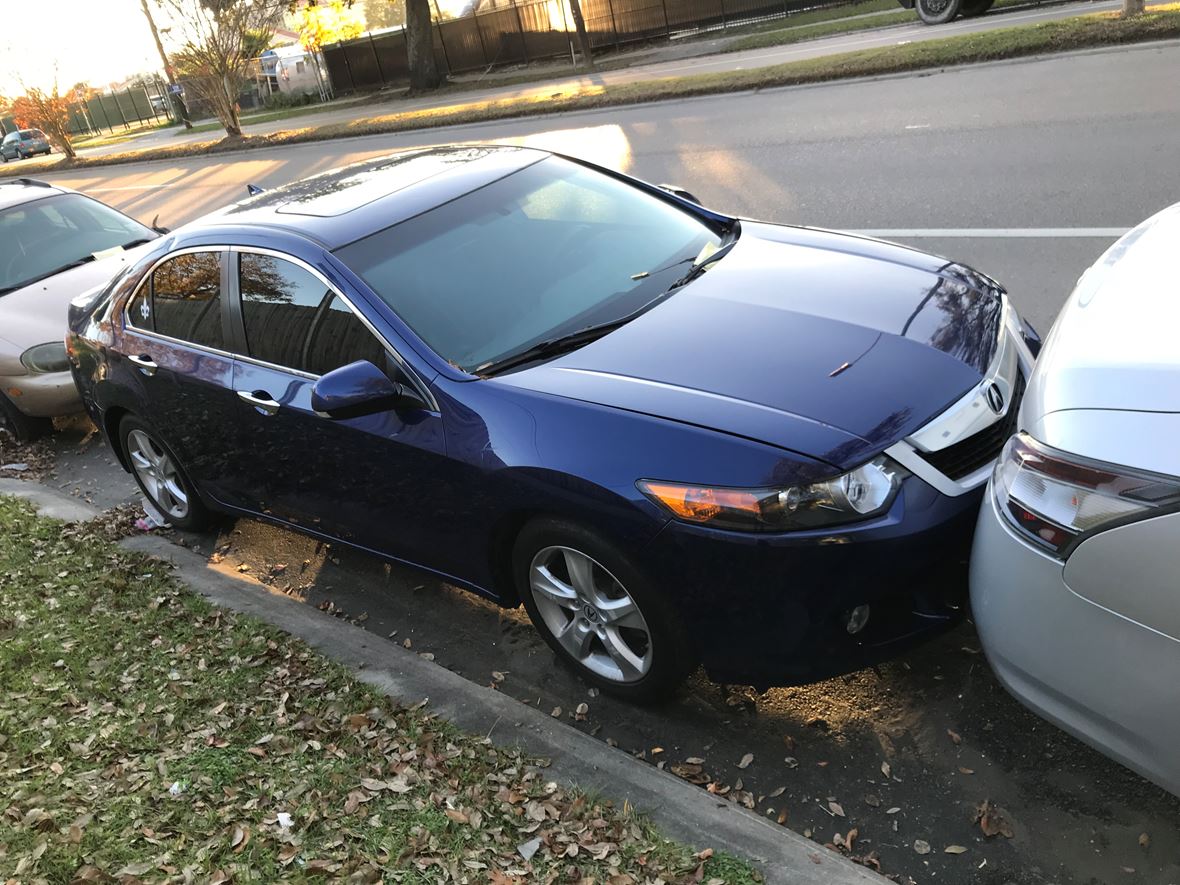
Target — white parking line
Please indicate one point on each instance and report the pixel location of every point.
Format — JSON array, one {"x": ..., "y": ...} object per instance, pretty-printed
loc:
[{"x": 1048, "y": 233}]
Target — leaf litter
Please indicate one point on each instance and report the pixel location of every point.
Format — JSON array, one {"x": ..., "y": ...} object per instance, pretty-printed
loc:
[{"x": 146, "y": 735}]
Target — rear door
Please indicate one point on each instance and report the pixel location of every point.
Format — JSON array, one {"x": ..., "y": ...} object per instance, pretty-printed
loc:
[
  {"x": 174, "y": 353},
  {"x": 365, "y": 480}
]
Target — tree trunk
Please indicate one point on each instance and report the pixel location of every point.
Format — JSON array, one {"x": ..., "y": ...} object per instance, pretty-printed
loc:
[
  {"x": 1133, "y": 8},
  {"x": 177, "y": 102},
  {"x": 424, "y": 72},
  {"x": 229, "y": 115},
  {"x": 583, "y": 37}
]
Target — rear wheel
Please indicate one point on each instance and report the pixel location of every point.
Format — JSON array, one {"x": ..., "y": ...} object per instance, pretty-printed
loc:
[
  {"x": 972, "y": 8},
  {"x": 599, "y": 613},
  {"x": 937, "y": 12},
  {"x": 21, "y": 427},
  {"x": 160, "y": 476}
]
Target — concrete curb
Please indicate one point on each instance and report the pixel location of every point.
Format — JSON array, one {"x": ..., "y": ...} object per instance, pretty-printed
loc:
[{"x": 681, "y": 811}]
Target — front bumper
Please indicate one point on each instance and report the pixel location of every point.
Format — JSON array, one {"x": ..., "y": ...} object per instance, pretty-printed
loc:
[
  {"x": 773, "y": 609},
  {"x": 1102, "y": 677},
  {"x": 42, "y": 396}
]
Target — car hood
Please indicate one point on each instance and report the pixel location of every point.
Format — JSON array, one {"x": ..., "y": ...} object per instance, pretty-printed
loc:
[
  {"x": 827, "y": 344},
  {"x": 1113, "y": 345},
  {"x": 38, "y": 313}
]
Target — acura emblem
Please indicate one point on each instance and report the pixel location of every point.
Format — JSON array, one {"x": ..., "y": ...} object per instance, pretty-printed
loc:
[{"x": 995, "y": 398}]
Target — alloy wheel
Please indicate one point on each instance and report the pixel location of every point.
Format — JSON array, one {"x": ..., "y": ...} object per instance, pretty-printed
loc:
[
  {"x": 591, "y": 614},
  {"x": 158, "y": 473}
]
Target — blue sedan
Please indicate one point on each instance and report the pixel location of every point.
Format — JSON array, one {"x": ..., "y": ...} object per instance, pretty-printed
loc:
[{"x": 674, "y": 436}]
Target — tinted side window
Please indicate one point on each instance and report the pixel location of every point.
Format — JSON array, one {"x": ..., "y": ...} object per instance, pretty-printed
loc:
[
  {"x": 186, "y": 296},
  {"x": 339, "y": 338},
  {"x": 280, "y": 304}
]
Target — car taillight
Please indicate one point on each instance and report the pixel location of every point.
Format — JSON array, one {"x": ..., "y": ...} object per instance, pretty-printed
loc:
[{"x": 1057, "y": 499}]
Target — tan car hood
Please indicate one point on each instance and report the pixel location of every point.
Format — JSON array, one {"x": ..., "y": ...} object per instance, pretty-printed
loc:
[{"x": 38, "y": 312}]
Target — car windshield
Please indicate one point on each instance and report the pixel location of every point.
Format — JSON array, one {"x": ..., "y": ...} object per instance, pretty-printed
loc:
[
  {"x": 32, "y": 135},
  {"x": 45, "y": 236},
  {"x": 545, "y": 252}
]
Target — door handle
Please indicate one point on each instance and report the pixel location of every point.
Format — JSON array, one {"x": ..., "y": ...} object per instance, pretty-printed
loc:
[
  {"x": 146, "y": 364},
  {"x": 260, "y": 400}
]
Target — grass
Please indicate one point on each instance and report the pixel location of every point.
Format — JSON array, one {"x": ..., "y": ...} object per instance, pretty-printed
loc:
[
  {"x": 283, "y": 114},
  {"x": 1079, "y": 32},
  {"x": 145, "y": 735}
]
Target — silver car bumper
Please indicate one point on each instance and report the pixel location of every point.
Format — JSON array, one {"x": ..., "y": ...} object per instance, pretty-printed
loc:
[
  {"x": 1103, "y": 678},
  {"x": 43, "y": 396}
]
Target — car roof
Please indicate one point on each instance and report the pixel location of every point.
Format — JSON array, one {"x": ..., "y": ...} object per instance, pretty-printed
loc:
[
  {"x": 16, "y": 191},
  {"x": 346, "y": 204}
]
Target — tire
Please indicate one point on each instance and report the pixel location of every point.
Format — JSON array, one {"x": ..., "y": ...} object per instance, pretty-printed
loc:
[
  {"x": 161, "y": 477},
  {"x": 972, "y": 8},
  {"x": 642, "y": 657},
  {"x": 937, "y": 12},
  {"x": 21, "y": 427}
]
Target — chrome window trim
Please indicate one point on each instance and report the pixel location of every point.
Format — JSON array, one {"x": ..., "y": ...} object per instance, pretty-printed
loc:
[
  {"x": 415, "y": 381},
  {"x": 970, "y": 414},
  {"x": 229, "y": 250}
]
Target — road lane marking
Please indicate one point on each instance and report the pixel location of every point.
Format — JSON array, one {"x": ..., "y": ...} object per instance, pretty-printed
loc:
[
  {"x": 1032, "y": 233},
  {"x": 131, "y": 187}
]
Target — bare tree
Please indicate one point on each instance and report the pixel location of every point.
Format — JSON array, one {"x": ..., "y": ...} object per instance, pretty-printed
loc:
[
  {"x": 1133, "y": 8},
  {"x": 173, "y": 91},
  {"x": 219, "y": 39}
]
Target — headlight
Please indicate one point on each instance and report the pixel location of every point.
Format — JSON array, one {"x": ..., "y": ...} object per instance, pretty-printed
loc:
[
  {"x": 42, "y": 358},
  {"x": 858, "y": 494},
  {"x": 1056, "y": 499}
]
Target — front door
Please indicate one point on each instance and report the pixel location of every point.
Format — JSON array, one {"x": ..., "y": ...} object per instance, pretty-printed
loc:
[{"x": 364, "y": 480}]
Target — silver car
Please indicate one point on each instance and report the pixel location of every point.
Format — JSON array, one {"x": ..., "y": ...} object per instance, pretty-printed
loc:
[
  {"x": 55, "y": 244},
  {"x": 1075, "y": 574},
  {"x": 24, "y": 143}
]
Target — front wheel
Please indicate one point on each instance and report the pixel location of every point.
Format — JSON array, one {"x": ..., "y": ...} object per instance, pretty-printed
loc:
[
  {"x": 160, "y": 476},
  {"x": 599, "y": 613},
  {"x": 937, "y": 12},
  {"x": 21, "y": 427}
]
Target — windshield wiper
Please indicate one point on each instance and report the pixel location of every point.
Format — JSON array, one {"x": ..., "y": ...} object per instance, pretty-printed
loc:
[
  {"x": 697, "y": 269},
  {"x": 553, "y": 346},
  {"x": 70, "y": 266},
  {"x": 133, "y": 243}
]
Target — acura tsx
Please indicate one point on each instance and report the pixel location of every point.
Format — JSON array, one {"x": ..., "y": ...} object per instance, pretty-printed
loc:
[{"x": 675, "y": 436}]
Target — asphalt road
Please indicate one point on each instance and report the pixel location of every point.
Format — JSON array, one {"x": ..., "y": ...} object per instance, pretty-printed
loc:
[
  {"x": 1026, "y": 170},
  {"x": 678, "y": 59}
]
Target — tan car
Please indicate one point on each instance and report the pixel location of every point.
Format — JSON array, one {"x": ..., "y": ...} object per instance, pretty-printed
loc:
[{"x": 55, "y": 244}]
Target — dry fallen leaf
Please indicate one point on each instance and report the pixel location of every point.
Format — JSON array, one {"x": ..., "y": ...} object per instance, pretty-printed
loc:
[
  {"x": 836, "y": 808},
  {"x": 954, "y": 849},
  {"x": 1144, "y": 840},
  {"x": 992, "y": 821},
  {"x": 886, "y": 769},
  {"x": 921, "y": 846},
  {"x": 955, "y": 737},
  {"x": 963, "y": 770},
  {"x": 746, "y": 760}
]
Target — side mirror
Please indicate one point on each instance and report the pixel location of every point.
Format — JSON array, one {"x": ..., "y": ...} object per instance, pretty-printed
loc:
[
  {"x": 358, "y": 389},
  {"x": 679, "y": 192}
]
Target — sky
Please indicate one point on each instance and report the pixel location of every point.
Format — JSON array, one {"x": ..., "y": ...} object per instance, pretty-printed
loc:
[{"x": 96, "y": 41}]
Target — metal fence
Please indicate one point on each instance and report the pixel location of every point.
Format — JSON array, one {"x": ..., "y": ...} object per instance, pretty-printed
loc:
[
  {"x": 505, "y": 32},
  {"x": 110, "y": 111}
]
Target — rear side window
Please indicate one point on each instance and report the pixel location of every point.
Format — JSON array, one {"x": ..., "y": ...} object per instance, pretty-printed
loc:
[
  {"x": 294, "y": 320},
  {"x": 186, "y": 300}
]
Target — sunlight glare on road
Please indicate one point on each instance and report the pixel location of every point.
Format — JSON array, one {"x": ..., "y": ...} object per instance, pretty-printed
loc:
[{"x": 606, "y": 145}]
